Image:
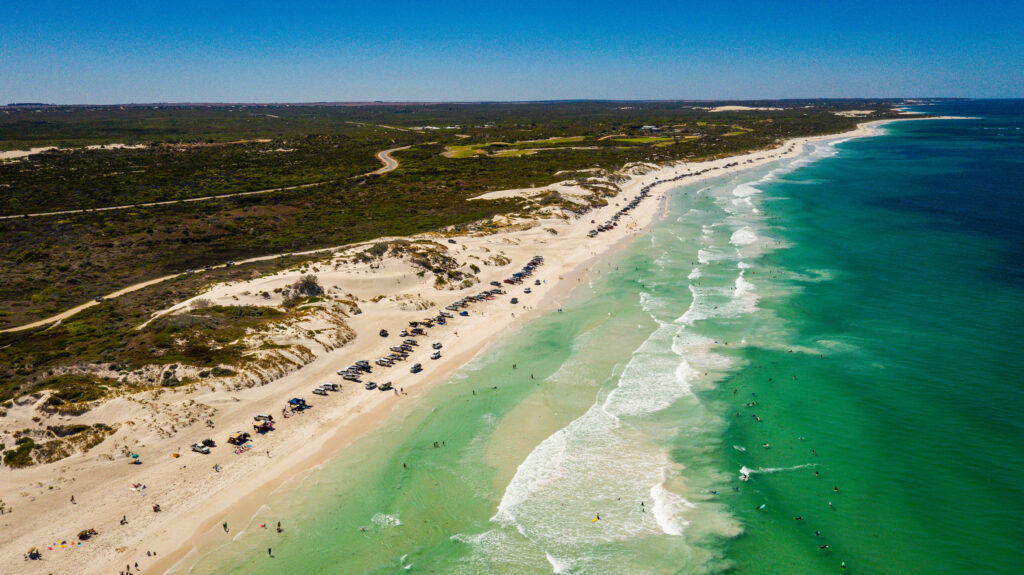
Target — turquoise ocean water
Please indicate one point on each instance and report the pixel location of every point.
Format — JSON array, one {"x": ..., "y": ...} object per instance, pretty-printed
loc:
[{"x": 809, "y": 364}]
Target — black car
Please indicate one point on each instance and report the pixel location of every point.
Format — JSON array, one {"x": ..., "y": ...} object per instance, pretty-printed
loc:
[{"x": 416, "y": 368}]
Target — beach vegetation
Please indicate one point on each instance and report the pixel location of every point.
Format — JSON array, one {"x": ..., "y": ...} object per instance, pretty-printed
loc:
[
  {"x": 21, "y": 455},
  {"x": 49, "y": 264}
]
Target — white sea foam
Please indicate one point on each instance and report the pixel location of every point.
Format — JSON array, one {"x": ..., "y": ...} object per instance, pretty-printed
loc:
[
  {"x": 747, "y": 472},
  {"x": 745, "y": 190},
  {"x": 714, "y": 254},
  {"x": 743, "y": 237},
  {"x": 715, "y": 301},
  {"x": 698, "y": 353},
  {"x": 739, "y": 202},
  {"x": 599, "y": 463},
  {"x": 668, "y": 510},
  {"x": 385, "y": 520},
  {"x": 559, "y": 565}
]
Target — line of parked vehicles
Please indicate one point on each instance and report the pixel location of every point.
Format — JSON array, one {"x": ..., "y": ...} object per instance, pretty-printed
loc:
[
  {"x": 264, "y": 422},
  {"x": 614, "y": 221}
]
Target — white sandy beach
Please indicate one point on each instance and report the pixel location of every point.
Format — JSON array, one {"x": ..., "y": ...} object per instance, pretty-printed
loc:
[{"x": 194, "y": 498}]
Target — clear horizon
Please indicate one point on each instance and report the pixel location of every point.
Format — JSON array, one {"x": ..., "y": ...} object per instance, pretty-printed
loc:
[{"x": 122, "y": 53}]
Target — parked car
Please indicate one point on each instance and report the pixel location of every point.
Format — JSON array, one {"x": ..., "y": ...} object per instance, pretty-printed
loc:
[{"x": 239, "y": 437}]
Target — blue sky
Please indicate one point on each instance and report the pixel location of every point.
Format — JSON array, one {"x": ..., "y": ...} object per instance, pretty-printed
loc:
[{"x": 152, "y": 51}]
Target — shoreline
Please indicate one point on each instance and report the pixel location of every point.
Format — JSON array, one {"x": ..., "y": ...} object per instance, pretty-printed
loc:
[{"x": 184, "y": 529}]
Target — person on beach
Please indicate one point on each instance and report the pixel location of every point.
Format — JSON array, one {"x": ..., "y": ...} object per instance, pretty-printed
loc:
[
  {"x": 225, "y": 527},
  {"x": 279, "y": 527},
  {"x": 270, "y": 551}
]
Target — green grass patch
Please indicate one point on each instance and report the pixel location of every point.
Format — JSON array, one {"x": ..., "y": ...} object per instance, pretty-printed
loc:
[
  {"x": 20, "y": 456},
  {"x": 75, "y": 388},
  {"x": 548, "y": 142}
]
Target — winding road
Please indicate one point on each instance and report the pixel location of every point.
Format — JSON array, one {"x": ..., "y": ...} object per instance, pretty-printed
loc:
[
  {"x": 384, "y": 156},
  {"x": 389, "y": 163}
]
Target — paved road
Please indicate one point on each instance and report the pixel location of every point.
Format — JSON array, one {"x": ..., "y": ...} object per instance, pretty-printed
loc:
[
  {"x": 384, "y": 156},
  {"x": 389, "y": 163}
]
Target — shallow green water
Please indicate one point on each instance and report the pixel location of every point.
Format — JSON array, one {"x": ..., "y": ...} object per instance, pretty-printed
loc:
[{"x": 869, "y": 344}]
